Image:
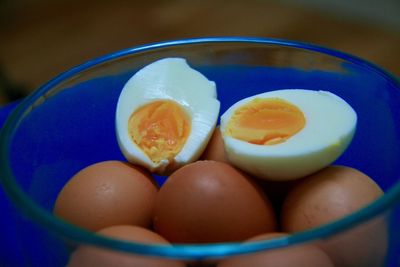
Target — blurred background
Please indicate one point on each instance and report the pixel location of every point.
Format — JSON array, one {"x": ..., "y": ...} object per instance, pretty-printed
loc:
[{"x": 42, "y": 38}]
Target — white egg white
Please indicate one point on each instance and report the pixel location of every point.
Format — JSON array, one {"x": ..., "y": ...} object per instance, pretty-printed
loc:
[
  {"x": 169, "y": 79},
  {"x": 329, "y": 128}
]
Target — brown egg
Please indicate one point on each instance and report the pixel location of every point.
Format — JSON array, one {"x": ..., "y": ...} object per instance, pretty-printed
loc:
[
  {"x": 215, "y": 148},
  {"x": 107, "y": 193},
  {"x": 86, "y": 256},
  {"x": 210, "y": 201},
  {"x": 363, "y": 245},
  {"x": 304, "y": 255},
  {"x": 328, "y": 195}
]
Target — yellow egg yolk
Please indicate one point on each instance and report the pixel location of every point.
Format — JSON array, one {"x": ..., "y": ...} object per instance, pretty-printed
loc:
[
  {"x": 160, "y": 129},
  {"x": 265, "y": 121}
]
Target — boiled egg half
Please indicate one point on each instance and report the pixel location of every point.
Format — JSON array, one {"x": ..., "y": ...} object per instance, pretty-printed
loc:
[
  {"x": 287, "y": 134},
  {"x": 165, "y": 115}
]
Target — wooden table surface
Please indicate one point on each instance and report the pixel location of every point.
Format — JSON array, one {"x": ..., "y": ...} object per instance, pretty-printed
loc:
[{"x": 41, "y": 38}]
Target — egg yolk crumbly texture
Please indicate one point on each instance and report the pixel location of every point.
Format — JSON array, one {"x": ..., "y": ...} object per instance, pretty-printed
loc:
[
  {"x": 265, "y": 121},
  {"x": 160, "y": 129}
]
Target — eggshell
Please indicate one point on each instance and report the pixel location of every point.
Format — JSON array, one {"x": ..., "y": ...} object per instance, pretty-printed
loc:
[
  {"x": 86, "y": 256},
  {"x": 331, "y": 194},
  {"x": 107, "y": 193},
  {"x": 209, "y": 201},
  {"x": 362, "y": 245},
  {"x": 304, "y": 255},
  {"x": 327, "y": 195},
  {"x": 215, "y": 149}
]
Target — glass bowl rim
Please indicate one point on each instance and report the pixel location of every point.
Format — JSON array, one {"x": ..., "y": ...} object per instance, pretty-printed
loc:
[{"x": 183, "y": 251}]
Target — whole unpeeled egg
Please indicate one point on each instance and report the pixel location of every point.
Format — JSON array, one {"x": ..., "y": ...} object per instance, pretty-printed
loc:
[
  {"x": 210, "y": 201},
  {"x": 165, "y": 115},
  {"x": 86, "y": 255},
  {"x": 107, "y": 193},
  {"x": 329, "y": 195},
  {"x": 287, "y": 134}
]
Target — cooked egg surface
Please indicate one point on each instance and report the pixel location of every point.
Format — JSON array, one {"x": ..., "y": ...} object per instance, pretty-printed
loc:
[
  {"x": 287, "y": 134},
  {"x": 166, "y": 113},
  {"x": 265, "y": 121},
  {"x": 160, "y": 129}
]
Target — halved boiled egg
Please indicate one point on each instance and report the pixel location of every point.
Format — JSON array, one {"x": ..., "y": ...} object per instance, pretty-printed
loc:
[
  {"x": 165, "y": 115},
  {"x": 287, "y": 134}
]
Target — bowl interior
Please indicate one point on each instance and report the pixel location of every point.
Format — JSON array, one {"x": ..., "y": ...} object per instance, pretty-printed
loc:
[{"x": 69, "y": 123}]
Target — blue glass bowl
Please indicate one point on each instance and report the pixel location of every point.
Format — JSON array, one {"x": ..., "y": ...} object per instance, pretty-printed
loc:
[{"x": 68, "y": 123}]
